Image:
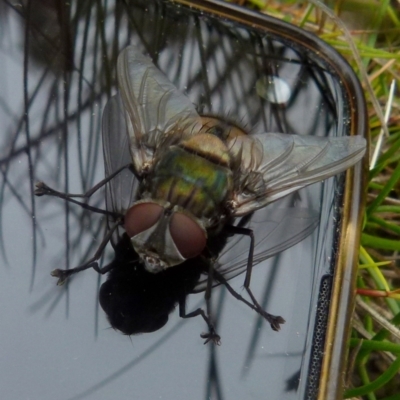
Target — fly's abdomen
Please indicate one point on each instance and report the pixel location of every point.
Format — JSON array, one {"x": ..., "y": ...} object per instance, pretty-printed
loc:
[{"x": 194, "y": 175}]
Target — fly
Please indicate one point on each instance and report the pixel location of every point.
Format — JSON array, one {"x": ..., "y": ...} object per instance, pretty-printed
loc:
[
  {"x": 176, "y": 179},
  {"x": 138, "y": 301}
]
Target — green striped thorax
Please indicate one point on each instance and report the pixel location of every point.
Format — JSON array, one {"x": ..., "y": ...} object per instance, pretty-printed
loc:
[{"x": 181, "y": 198}]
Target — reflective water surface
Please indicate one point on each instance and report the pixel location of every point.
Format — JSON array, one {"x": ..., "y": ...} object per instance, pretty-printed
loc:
[{"x": 58, "y": 71}]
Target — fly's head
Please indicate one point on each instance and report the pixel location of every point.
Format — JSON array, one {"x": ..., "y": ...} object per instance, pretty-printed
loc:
[{"x": 164, "y": 235}]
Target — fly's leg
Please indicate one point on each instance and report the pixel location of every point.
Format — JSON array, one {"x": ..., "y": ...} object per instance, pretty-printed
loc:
[
  {"x": 256, "y": 307},
  {"x": 64, "y": 274},
  {"x": 43, "y": 190},
  {"x": 211, "y": 335},
  {"x": 274, "y": 320}
]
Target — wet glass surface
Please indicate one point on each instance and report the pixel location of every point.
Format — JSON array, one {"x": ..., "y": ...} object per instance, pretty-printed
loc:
[{"x": 58, "y": 71}]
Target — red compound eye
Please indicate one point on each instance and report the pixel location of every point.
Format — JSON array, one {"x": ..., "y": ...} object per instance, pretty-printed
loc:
[
  {"x": 141, "y": 217},
  {"x": 188, "y": 236}
]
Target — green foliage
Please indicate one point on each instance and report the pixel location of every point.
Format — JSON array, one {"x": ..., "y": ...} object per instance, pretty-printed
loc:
[{"x": 375, "y": 30}]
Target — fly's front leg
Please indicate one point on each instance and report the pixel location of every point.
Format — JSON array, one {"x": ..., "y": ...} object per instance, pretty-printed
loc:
[
  {"x": 64, "y": 274},
  {"x": 274, "y": 320},
  {"x": 43, "y": 190}
]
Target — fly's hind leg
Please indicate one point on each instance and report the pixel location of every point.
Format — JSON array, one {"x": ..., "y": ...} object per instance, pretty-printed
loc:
[{"x": 274, "y": 320}]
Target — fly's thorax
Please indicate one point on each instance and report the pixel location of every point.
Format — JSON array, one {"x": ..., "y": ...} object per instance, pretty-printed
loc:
[
  {"x": 164, "y": 235},
  {"x": 208, "y": 146},
  {"x": 195, "y": 176}
]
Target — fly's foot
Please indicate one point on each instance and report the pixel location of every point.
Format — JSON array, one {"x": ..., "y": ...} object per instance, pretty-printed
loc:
[
  {"x": 42, "y": 189},
  {"x": 211, "y": 336},
  {"x": 62, "y": 275},
  {"x": 274, "y": 320}
]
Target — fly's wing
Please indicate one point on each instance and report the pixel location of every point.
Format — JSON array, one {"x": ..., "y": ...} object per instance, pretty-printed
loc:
[
  {"x": 120, "y": 190},
  {"x": 274, "y": 232},
  {"x": 272, "y": 165},
  {"x": 154, "y": 107}
]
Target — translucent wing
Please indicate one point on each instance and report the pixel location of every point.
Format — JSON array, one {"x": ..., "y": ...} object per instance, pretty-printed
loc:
[
  {"x": 274, "y": 231},
  {"x": 121, "y": 190},
  {"x": 154, "y": 107},
  {"x": 272, "y": 165}
]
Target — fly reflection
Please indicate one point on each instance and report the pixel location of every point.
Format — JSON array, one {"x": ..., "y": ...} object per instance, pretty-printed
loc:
[
  {"x": 176, "y": 182},
  {"x": 137, "y": 301}
]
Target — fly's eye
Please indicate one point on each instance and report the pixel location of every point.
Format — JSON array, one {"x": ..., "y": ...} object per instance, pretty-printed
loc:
[
  {"x": 141, "y": 217},
  {"x": 188, "y": 236}
]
